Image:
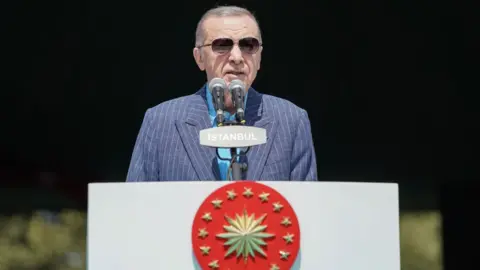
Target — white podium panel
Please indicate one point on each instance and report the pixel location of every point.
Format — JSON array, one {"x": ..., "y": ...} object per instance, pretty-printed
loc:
[{"x": 148, "y": 225}]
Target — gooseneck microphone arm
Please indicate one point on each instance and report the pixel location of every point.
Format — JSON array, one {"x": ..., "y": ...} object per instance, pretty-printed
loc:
[
  {"x": 237, "y": 166},
  {"x": 218, "y": 97},
  {"x": 237, "y": 90},
  {"x": 217, "y": 88}
]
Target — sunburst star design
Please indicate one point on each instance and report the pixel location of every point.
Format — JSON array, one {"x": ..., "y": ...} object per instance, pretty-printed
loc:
[{"x": 245, "y": 235}]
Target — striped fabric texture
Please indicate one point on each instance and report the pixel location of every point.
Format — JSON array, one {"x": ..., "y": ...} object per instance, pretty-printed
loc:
[{"x": 168, "y": 147}]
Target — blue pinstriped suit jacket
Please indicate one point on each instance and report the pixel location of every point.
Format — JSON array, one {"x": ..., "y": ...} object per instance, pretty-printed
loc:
[{"x": 167, "y": 147}]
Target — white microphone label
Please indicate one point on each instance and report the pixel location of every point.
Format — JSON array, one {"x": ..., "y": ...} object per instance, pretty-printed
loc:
[{"x": 233, "y": 136}]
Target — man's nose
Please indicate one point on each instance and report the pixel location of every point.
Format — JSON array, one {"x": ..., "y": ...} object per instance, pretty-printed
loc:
[{"x": 236, "y": 55}]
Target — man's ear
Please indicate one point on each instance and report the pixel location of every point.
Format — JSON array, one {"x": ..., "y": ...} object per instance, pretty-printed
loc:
[
  {"x": 197, "y": 54},
  {"x": 259, "y": 57}
]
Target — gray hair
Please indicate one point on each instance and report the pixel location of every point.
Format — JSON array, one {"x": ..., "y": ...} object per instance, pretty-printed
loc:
[{"x": 223, "y": 11}]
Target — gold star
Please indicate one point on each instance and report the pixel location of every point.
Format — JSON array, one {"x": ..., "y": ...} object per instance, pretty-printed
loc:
[
  {"x": 264, "y": 196},
  {"x": 286, "y": 222},
  {"x": 284, "y": 254},
  {"x": 277, "y": 207},
  {"x": 213, "y": 264},
  {"x": 274, "y": 267},
  {"x": 288, "y": 238},
  {"x": 202, "y": 233},
  {"x": 231, "y": 194},
  {"x": 207, "y": 217},
  {"x": 217, "y": 203},
  {"x": 205, "y": 250},
  {"x": 248, "y": 192}
]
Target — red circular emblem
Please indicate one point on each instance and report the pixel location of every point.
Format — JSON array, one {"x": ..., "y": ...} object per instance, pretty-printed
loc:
[{"x": 245, "y": 225}]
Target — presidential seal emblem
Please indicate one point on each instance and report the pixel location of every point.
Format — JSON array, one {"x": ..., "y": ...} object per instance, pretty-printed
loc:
[{"x": 245, "y": 225}]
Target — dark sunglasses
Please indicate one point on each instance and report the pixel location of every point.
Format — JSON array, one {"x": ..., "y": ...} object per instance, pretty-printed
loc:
[{"x": 248, "y": 45}]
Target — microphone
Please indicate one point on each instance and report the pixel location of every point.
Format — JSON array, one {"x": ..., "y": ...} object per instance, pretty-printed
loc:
[
  {"x": 237, "y": 89},
  {"x": 217, "y": 87}
]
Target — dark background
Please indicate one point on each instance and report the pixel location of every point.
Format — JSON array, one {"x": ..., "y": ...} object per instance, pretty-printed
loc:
[{"x": 389, "y": 87}]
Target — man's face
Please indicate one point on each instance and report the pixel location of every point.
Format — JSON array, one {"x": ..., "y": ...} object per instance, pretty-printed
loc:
[{"x": 230, "y": 64}]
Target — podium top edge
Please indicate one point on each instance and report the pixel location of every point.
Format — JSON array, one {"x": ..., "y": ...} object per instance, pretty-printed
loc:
[{"x": 265, "y": 182}]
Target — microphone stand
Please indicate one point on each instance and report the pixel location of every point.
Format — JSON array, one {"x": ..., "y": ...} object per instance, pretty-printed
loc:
[{"x": 238, "y": 168}]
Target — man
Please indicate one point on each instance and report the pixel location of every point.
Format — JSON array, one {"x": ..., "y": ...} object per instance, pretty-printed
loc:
[{"x": 228, "y": 46}]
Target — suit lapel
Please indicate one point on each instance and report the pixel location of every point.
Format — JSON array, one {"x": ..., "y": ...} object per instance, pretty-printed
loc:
[
  {"x": 202, "y": 158},
  {"x": 256, "y": 116}
]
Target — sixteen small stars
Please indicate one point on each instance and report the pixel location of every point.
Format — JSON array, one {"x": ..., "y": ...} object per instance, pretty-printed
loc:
[{"x": 248, "y": 193}]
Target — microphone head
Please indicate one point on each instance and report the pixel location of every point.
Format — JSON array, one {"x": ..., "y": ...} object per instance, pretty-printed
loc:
[
  {"x": 236, "y": 84},
  {"x": 217, "y": 82}
]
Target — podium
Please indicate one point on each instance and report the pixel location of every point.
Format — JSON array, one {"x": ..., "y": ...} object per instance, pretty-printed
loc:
[{"x": 301, "y": 225}]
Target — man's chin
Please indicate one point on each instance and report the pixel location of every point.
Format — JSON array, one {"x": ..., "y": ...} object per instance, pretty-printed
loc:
[{"x": 229, "y": 78}]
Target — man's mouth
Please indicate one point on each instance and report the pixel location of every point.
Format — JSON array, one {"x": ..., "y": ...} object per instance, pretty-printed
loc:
[{"x": 235, "y": 73}]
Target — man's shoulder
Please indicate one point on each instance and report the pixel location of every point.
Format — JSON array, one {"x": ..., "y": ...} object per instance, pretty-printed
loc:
[{"x": 281, "y": 107}]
